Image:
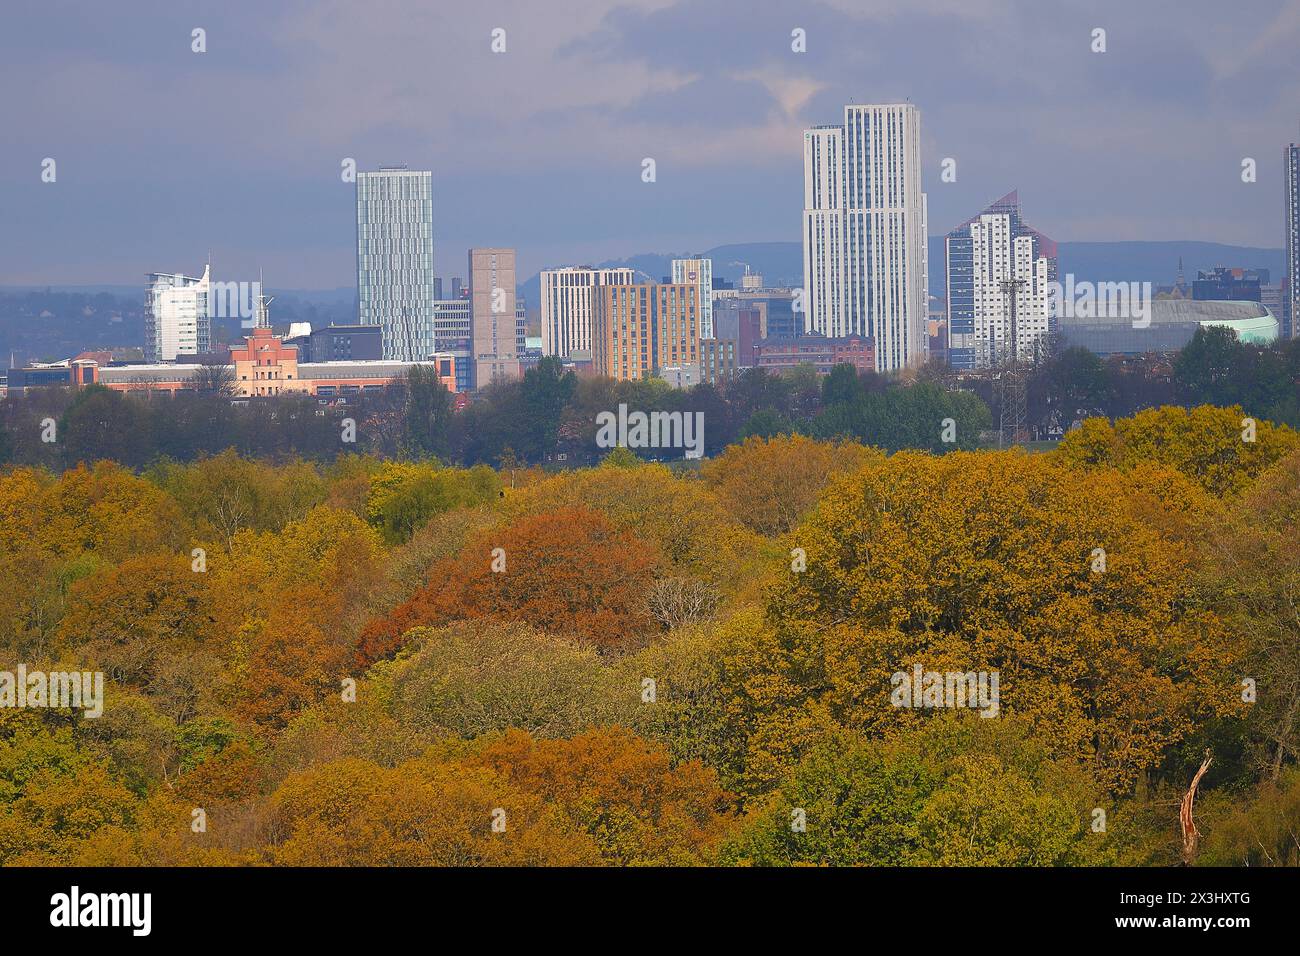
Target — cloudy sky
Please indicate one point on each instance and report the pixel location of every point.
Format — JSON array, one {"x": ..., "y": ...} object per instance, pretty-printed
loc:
[{"x": 165, "y": 155}]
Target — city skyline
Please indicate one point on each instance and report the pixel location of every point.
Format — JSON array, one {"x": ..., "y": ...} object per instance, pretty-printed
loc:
[{"x": 1124, "y": 152}]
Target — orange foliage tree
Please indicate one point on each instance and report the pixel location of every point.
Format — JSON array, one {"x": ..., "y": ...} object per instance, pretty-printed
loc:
[
  {"x": 623, "y": 790},
  {"x": 565, "y": 571}
]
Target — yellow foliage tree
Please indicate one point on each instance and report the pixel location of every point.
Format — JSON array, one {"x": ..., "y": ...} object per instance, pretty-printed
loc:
[
  {"x": 1078, "y": 589},
  {"x": 770, "y": 484},
  {"x": 1220, "y": 449}
]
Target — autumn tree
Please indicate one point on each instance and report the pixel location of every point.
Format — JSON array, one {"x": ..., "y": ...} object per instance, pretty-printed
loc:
[
  {"x": 296, "y": 658},
  {"x": 421, "y": 813},
  {"x": 565, "y": 571},
  {"x": 626, "y": 793},
  {"x": 1078, "y": 589},
  {"x": 225, "y": 494},
  {"x": 1253, "y": 564},
  {"x": 951, "y": 793},
  {"x": 770, "y": 484},
  {"x": 477, "y": 677},
  {"x": 149, "y": 622},
  {"x": 406, "y": 495},
  {"x": 1219, "y": 448}
]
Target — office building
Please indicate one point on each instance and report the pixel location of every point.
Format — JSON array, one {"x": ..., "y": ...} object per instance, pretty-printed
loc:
[
  {"x": 177, "y": 317},
  {"x": 1230, "y": 285},
  {"x": 864, "y": 232},
  {"x": 567, "y": 304},
  {"x": 338, "y": 343},
  {"x": 745, "y": 323},
  {"x": 452, "y": 331},
  {"x": 494, "y": 336},
  {"x": 717, "y": 361},
  {"x": 395, "y": 287}
]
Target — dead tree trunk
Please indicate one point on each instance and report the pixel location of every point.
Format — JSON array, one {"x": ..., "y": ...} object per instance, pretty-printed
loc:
[{"x": 1191, "y": 836}]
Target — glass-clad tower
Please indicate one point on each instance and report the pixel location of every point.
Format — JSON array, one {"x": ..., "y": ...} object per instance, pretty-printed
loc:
[{"x": 395, "y": 259}]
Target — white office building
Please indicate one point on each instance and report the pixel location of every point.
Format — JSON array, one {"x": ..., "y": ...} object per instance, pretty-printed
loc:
[
  {"x": 567, "y": 304},
  {"x": 864, "y": 232},
  {"x": 698, "y": 272},
  {"x": 177, "y": 318},
  {"x": 395, "y": 259}
]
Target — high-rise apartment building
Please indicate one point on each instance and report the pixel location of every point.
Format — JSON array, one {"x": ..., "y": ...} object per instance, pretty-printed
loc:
[
  {"x": 864, "y": 232},
  {"x": 395, "y": 259},
  {"x": 984, "y": 255},
  {"x": 567, "y": 303},
  {"x": 492, "y": 315},
  {"x": 1291, "y": 284},
  {"x": 177, "y": 317},
  {"x": 698, "y": 272},
  {"x": 638, "y": 329}
]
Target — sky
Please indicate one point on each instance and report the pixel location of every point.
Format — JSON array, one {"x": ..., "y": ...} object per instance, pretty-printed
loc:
[{"x": 164, "y": 156}]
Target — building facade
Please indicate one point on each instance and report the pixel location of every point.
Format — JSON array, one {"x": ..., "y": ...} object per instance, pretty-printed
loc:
[
  {"x": 718, "y": 361},
  {"x": 746, "y": 324},
  {"x": 453, "y": 330},
  {"x": 177, "y": 316},
  {"x": 698, "y": 272},
  {"x": 819, "y": 351},
  {"x": 339, "y": 343},
  {"x": 494, "y": 334},
  {"x": 1230, "y": 285},
  {"x": 864, "y": 232},
  {"x": 395, "y": 259},
  {"x": 568, "y": 299},
  {"x": 1291, "y": 284},
  {"x": 639, "y": 329},
  {"x": 983, "y": 254}
]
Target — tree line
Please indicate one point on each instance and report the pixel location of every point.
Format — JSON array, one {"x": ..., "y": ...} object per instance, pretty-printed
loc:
[
  {"x": 373, "y": 661},
  {"x": 550, "y": 415}
]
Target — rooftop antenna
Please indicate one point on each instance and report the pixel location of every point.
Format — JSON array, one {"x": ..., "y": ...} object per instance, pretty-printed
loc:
[{"x": 262, "y": 312}]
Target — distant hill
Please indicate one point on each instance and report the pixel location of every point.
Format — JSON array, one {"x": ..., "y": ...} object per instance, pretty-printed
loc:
[{"x": 781, "y": 263}]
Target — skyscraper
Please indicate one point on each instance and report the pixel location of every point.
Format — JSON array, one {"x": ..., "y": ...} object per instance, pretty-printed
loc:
[
  {"x": 177, "y": 319},
  {"x": 864, "y": 232},
  {"x": 567, "y": 303},
  {"x": 982, "y": 254},
  {"x": 495, "y": 347},
  {"x": 395, "y": 259},
  {"x": 1290, "y": 317},
  {"x": 698, "y": 272}
]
